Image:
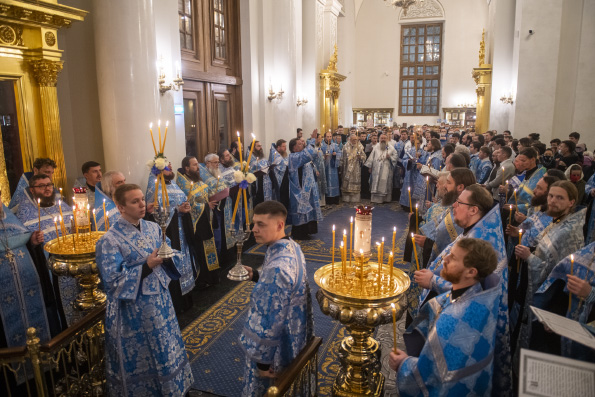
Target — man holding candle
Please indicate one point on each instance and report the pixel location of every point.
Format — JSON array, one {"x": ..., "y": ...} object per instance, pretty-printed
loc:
[
  {"x": 332, "y": 161},
  {"x": 303, "y": 191},
  {"x": 280, "y": 319},
  {"x": 454, "y": 344},
  {"x": 139, "y": 313},
  {"x": 413, "y": 180},
  {"x": 381, "y": 164},
  {"x": 561, "y": 238},
  {"x": 505, "y": 170},
  {"x": 279, "y": 177},
  {"x": 526, "y": 161},
  {"x": 262, "y": 189}
]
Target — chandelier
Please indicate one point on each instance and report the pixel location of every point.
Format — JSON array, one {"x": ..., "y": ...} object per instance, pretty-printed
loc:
[{"x": 404, "y": 4}]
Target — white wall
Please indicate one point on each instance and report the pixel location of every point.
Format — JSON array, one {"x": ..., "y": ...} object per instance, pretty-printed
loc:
[
  {"x": 378, "y": 40},
  {"x": 346, "y": 39}
]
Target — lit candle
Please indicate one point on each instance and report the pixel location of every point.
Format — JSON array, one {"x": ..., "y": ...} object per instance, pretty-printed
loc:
[
  {"x": 333, "y": 250},
  {"x": 415, "y": 250},
  {"x": 394, "y": 237},
  {"x": 62, "y": 226},
  {"x": 240, "y": 149},
  {"x": 382, "y": 251},
  {"x": 89, "y": 218},
  {"x": 94, "y": 219},
  {"x": 165, "y": 136},
  {"x": 76, "y": 230},
  {"x": 571, "y": 271},
  {"x": 510, "y": 215},
  {"x": 514, "y": 192},
  {"x": 416, "y": 219},
  {"x": 159, "y": 128},
  {"x": 152, "y": 139},
  {"x": 246, "y": 208},
  {"x": 39, "y": 212},
  {"x": 350, "y": 240},
  {"x": 502, "y": 176},
  {"x": 60, "y": 206},
  {"x": 410, "y": 205},
  {"x": 378, "y": 248},
  {"x": 235, "y": 207},
  {"x": 342, "y": 252},
  {"x": 506, "y": 191},
  {"x": 394, "y": 310},
  {"x": 60, "y": 192},
  {"x": 345, "y": 243},
  {"x": 250, "y": 154},
  {"x": 361, "y": 276},
  {"x": 518, "y": 260},
  {"x": 56, "y": 226},
  {"x": 428, "y": 188}
]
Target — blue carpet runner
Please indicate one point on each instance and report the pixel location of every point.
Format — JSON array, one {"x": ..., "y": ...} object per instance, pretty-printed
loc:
[{"x": 211, "y": 340}]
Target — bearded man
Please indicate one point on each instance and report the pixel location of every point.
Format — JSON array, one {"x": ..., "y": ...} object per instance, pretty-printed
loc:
[
  {"x": 41, "y": 166},
  {"x": 279, "y": 177},
  {"x": 332, "y": 162},
  {"x": 381, "y": 164},
  {"x": 559, "y": 239},
  {"x": 353, "y": 157},
  {"x": 104, "y": 199},
  {"x": 262, "y": 189}
]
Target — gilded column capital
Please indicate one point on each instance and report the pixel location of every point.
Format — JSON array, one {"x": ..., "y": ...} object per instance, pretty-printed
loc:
[{"x": 46, "y": 72}]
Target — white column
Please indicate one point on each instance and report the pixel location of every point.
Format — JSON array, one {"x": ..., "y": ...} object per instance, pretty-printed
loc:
[{"x": 127, "y": 83}]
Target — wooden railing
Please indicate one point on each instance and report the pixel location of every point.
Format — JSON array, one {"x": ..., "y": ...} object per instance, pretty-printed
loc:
[
  {"x": 301, "y": 377},
  {"x": 70, "y": 364}
]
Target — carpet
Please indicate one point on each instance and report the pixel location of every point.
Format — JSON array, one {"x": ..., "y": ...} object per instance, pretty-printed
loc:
[{"x": 211, "y": 340}]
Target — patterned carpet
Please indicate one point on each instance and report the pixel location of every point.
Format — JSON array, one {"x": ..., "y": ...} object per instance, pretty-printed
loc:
[{"x": 216, "y": 358}]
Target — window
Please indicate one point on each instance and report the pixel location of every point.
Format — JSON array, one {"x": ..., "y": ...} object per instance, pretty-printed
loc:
[
  {"x": 185, "y": 24},
  {"x": 219, "y": 29},
  {"x": 421, "y": 47}
]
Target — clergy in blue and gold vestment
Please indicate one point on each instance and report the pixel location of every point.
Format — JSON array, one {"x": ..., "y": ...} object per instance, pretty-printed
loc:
[
  {"x": 27, "y": 296},
  {"x": 526, "y": 161},
  {"x": 179, "y": 231},
  {"x": 30, "y": 213},
  {"x": 145, "y": 354},
  {"x": 319, "y": 170},
  {"x": 304, "y": 213},
  {"x": 43, "y": 166},
  {"x": 413, "y": 179},
  {"x": 280, "y": 320},
  {"x": 568, "y": 291},
  {"x": 452, "y": 347},
  {"x": 279, "y": 177},
  {"x": 562, "y": 237},
  {"x": 262, "y": 188},
  {"x": 332, "y": 161}
]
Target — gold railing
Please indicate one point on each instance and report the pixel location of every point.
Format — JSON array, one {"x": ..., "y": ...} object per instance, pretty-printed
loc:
[
  {"x": 301, "y": 377},
  {"x": 71, "y": 364}
]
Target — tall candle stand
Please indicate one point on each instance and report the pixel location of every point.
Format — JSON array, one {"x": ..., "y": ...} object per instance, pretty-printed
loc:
[
  {"x": 161, "y": 215},
  {"x": 238, "y": 272}
]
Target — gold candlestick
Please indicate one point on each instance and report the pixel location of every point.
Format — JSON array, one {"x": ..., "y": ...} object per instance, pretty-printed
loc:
[
  {"x": 518, "y": 260},
  {"x": 416, "y": 219},
  {"x": 510, "y": 215},
  {"x": 394, "y": 310},
  {"x": 343, "y": 259},
  {"x": 571, "y": 271},
  {"x": 350, "y": 240},
  {"x": 394, "y": 236},
  {"x": 94, "y": 220},
  {"x": 39, "y": 212},
  {"x": 333, "y": 253},
  {"x": 415, "y": 250},
  {"x": 410, "y": 205},
  {"x": 391, "y": 265},
  {"x": 56, "y": 226}
]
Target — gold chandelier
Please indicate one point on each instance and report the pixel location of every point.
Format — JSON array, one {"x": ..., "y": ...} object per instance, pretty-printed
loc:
[{"x": 404, "y": 4}]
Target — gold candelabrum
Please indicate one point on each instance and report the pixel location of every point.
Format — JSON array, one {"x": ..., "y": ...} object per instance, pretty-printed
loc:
[
  {"x": 73, "y": 255},
  {"x": 361, "y": 295}
]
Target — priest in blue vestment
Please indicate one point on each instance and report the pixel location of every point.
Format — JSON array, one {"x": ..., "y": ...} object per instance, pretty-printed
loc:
[
  {"x": 43, "y": 166},
  {"x": 452, "y": 347},
  {"x": 262, "y": 188},
  {"x": 304, "y": 213},
  {"x": 526, "y": 161},
  {"x": 332, "y": 161},
  {"x": 279, "y": 178},
  {"x": 280, "y": 319},
  {"x": 413, "y": 181},
  {"x": 145, "y": 353}
]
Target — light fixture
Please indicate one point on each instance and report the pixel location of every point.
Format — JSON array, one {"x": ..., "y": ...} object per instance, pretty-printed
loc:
[
  {"x": 302, "y": 101},
  {"x": 507, "y": 99},
  {"x": 176, "y": 83},
  {"x": 404, "y": 4},
  {"x": 275, "y": 95}
]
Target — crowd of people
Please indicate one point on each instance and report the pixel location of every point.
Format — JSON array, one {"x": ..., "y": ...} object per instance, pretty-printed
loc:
[{"x": 531, "y": 202}]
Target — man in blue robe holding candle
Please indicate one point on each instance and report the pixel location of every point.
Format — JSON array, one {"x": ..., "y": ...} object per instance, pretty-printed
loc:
[
  {"x": 145, "y": 354},
  {"x": 526, "y": 162},
  {"x": 48, "y": 210},
  {"x": 280, "y": 319},
  {"x": 332, "y": 161},
  {"x": 279, "y": 178},
  {"x": 452, "y": 346},
  {"x": 413, "y": 181},
  {"x": 262, "y": 188},
  {"x": 304, "y": 213}
]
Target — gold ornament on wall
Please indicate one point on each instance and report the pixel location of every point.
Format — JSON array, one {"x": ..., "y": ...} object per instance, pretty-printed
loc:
[
  {"x": 11, "y": 35},
  {"x": 482, "y": 49},
  {"x": 46, "y": 72},
  {"x": 50, "y": 38}
]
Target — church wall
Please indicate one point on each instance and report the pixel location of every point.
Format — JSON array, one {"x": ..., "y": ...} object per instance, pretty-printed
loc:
[
  {"x": 77, "y": 95},
  {"x": 378, "y": 53}
]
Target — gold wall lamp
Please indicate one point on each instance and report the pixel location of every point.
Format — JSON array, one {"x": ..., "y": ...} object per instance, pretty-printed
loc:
[
  {"x": 176, "y": 83},
  {"x": 275, "y": 95},
  {"x": 302, "y": 101}
]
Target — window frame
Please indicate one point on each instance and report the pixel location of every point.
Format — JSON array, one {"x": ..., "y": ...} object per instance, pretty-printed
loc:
[{"x": 424, "y": 64}]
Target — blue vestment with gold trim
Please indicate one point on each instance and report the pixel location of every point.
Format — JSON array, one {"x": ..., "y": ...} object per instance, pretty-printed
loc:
[
  {"x": 110, "y": 207},
  {"x": 303, "y": 195},
  {"x": 145, "y": 354},
  {"x": 331, "y": 167},
  {"x": 525, "y": 190},
  {"x": 280, "y": 319}
]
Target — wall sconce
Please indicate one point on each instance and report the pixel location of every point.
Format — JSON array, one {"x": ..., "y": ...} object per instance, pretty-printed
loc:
[
  {"x": 176, "y": 83},
  {"x": 275, "y": 95},
  {"x": 507, "y": 99},
  {"x": 301, "y": 102}
]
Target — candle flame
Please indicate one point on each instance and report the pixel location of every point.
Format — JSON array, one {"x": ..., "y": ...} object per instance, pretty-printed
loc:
[
  {"x": 409, "y": 188},
  {"x": 158, "y": 123},
  {"x": 103, "y": 201},
  {"x": 416, "y": 204},
  {"x": 383, "y": 239},
  {"x": 333, "y": 228},
  {"x": 55, "y": 219},
  {"x": 507, "y": 181},
  {"x": 60, "y": 203},
  {"x": 93, "y": 211},
  {"x": 361, "y": 251},
  {"x": 151, "y": 126},
  {"x": 427, "y": 178},
  {"x": 391, "y": 254},
  {"x": 392, "y": 305},
  {"x": 341, "y": 244},
  {"x": 412, "y": 235},
  {"x": 520, "y": 231},
  {"x": 572, "y": 257},
  {"x": 238, "y": 133},
  {"x": 253, "y": 136},
  {"x": 60, "y": 218},
  {"x": 167, "y": 123},
  {"x": 377, "y": 243},
  {"x": 38, "y": 201},
  {"x": 87, "y": 206},
  {"x": 351, "y": 221},
  {"x": 511, "y": 207},
  {"x": 394, "y": 229},
  {"x": 502, "y": 168},
  {"x": 344, "y": 232}
]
